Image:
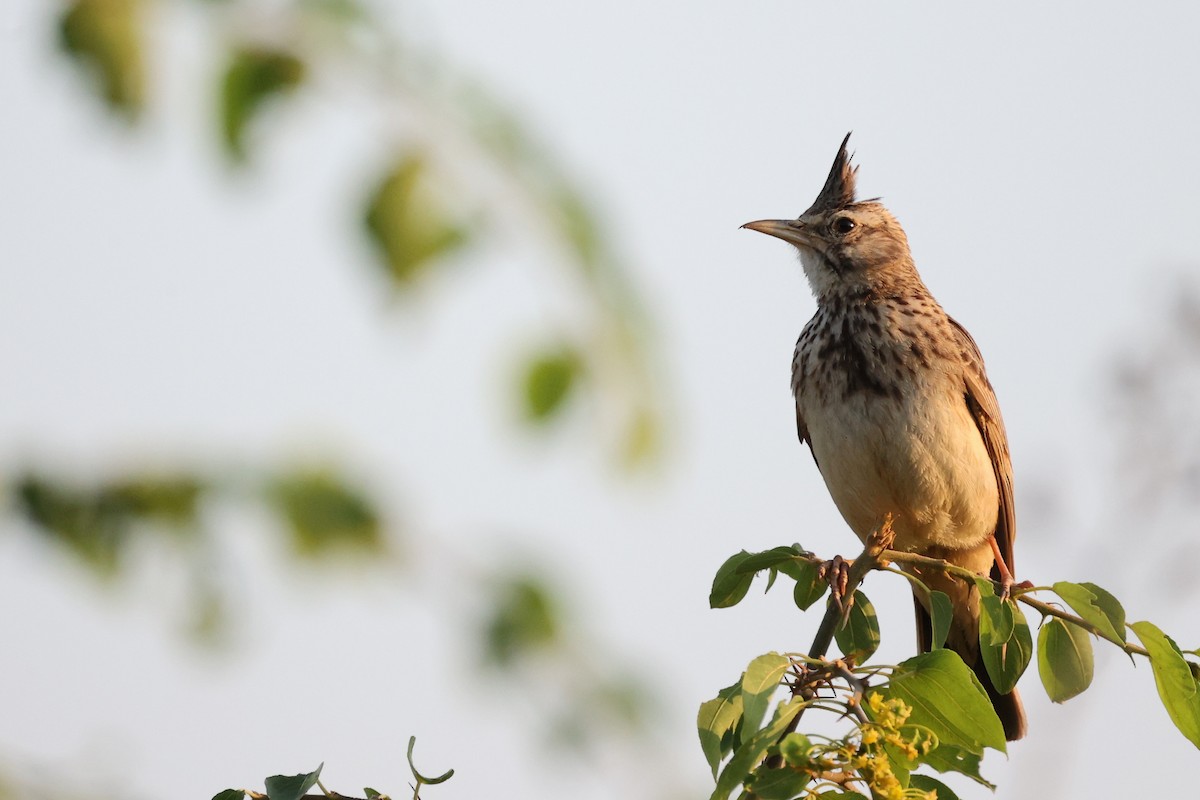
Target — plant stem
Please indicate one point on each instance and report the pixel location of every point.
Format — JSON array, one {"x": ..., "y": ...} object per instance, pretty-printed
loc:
[
  {"x": 872, "y": 557},
  {"x": 1045, "y": 608}
]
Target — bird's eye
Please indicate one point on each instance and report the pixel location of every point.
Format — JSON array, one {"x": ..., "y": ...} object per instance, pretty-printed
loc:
[{"x": 843, "y": 224}]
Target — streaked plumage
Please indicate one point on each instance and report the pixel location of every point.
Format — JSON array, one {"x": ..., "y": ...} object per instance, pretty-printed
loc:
[{"x": 894, "y": 402}]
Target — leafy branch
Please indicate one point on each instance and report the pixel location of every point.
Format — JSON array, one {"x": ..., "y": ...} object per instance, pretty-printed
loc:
[
  {"x": 461, "y": 161},
  {"x": 929, "y": 711}
]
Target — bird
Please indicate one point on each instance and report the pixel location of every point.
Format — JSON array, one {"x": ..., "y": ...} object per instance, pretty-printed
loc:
[{"x": 893, "y": 401}]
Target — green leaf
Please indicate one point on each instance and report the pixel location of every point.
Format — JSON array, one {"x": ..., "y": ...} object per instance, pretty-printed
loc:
[
  {"x": 729, "y": 587},
  {"x": 1064, "y": 659},
  {"x": 768, "y": 558},
  {"x": 252, "y": 77},
  {"x": 778, "y": 784},
  {"x": 230, "y": 794},
  {"x": 999, "y": 616},
  {"x": 858, "y": 638},
  {"x": 106, "y": 38},
  {"x": 927, "y": 783},
  {"x": 408, "y": 224},
  {"x": 941, "y": 614},
  {"x": 524, "y": 618},
  {"x": 291, "y": 787},
  {"x": 747, "y": 756},
  {"x": 1005, "y": 662},
  {"x": 1177, "y": 687},
  {"x": 947, "y": 698},
  {"x": 170, "y": 499},
  {"x": 445, "y": 776},
  {"x": 1095, "y": 606},
  {"x": 324, "y": 513},
  {"x": 548, "y": 381},
  {"x": 370, "y": 793},
  {"x": 718, "y": 717},
  {"x": 948, "y": 758},
  {"x": 759, "y": 682},
  {"x": 810, "y": 586}
]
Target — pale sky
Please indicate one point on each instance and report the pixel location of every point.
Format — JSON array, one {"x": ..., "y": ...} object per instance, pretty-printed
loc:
[{"x": 1042, "y": 158}]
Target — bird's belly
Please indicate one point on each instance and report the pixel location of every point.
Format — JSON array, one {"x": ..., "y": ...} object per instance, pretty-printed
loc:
[{"x": 919, "y": 458}]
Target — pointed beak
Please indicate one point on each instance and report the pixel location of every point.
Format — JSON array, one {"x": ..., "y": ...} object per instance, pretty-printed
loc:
[{"x": 792, "y": 231}]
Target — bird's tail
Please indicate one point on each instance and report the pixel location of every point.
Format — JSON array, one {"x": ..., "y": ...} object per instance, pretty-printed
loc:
[{"x": 965, "y": 642}]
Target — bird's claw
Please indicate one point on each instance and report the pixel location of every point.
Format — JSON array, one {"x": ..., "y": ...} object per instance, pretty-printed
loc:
[{"x": 836, "y": 572}]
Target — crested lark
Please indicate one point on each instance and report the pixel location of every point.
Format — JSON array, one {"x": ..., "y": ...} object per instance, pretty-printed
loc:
[{"x": 893, "y": 401}]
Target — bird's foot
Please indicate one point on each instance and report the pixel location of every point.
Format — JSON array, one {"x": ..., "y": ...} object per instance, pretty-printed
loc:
[{"x": 836, "y": 572}]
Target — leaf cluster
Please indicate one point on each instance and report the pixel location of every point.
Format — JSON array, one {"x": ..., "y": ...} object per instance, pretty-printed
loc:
[{"x": 928, "y": 713}]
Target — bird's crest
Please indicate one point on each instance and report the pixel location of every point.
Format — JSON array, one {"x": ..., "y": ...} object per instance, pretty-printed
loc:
[{"x": 839, "y": 189}]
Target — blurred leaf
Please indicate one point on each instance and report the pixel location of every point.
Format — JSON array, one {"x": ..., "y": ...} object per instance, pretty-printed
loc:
[
  {"x": 759, "y": 682},
  {"x": 370, "y": 793},
  {"x": 947, "y": 698},
  {"x": 1064, "y": 659},
  {"x": 252, "y": 76},
  {"x": 858, "y": 637},
  {"x": 230, "y": 794},
  {"x": 578, "y": 225},
  {"x": 751, "y": 751},
  {"x": 291, "y": 787},
  {"x": 718, "y": 717},
  {"x": 1005, "y": 661},
  {"x": 643, "y": 436},
  {"x": 925, "y": 783},
  {"x": 168, "y": 499},
  {"x": 341, "y": 10},
  {"x": 941, "y": 614},
  {"x": 1095, "y": 606},
  {"x": 729, "y": 587},
  {"x": 94, "y": 531},
  {"x": 1177, "y": 687},
  {"x": 409, "y": 227},
  {"x": 98, "y": 523},
  {"x": 324, "y": 513},
  {"x": 524, "y": 618},
  {"x": 548, "y": 381},
  {"x": 105, "y": 37}
]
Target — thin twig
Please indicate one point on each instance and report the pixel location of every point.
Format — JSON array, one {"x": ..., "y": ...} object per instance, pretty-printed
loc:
[
  {"x": 1045, "y": 608},
  {"x": 870, "y": 558}
]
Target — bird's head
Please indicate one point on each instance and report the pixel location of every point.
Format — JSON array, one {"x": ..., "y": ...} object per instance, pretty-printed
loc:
[{"x": 846, "y": 247}]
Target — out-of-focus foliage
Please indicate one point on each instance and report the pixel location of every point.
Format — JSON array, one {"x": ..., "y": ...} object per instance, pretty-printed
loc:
[
  {"x": 324, "y": 513},
  {"x": 253, "y": 76},
  {"x": 524, "y": 620},
  {"x": 97, "y": 523},
  {"x": 408, "y": 224},
  {"x": 549, "y": 380},
  {"x": 105, "y": 38},
  {"x": 462, "y": 168},
  {"x": 457, "y": 145}
]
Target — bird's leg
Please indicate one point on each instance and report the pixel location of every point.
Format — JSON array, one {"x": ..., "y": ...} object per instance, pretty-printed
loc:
[
  {"x": 836, "y": 572},
  {"x": 1007, "y": 581}
]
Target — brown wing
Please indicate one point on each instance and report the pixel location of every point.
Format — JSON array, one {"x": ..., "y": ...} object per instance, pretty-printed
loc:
[{"x": 981, "y": 400}]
